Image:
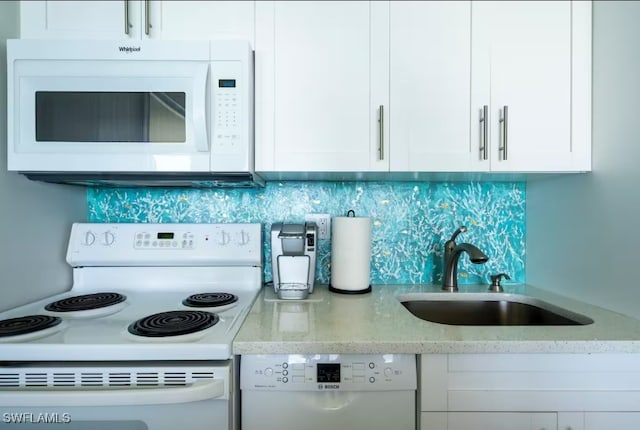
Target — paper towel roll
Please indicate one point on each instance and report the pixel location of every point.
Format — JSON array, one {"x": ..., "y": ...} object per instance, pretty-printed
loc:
[{"x": 350, "y": 254}]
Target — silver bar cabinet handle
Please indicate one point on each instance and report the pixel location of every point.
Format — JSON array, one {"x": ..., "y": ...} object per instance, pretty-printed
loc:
[
  {"x": 484, "y": 120},
  {"x": 126, "y": 17},
  {"x": 505, "y": 128},
  {"x": 381, "y": 131},
  {"x": 147, "y": 22}
]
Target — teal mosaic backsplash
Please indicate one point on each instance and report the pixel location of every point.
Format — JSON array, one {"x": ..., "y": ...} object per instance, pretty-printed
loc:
[{"x": 410, "y": 220}]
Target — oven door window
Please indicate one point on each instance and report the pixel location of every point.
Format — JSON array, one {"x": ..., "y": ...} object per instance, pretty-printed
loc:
[{"x": 105, "y": 117}]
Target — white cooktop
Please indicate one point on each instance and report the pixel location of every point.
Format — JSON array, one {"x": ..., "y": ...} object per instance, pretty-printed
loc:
[{"x": 128, "y": 259}]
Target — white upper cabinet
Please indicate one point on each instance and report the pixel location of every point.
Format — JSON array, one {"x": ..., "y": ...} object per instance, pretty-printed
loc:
[
  {"x": 439, "y": 74},
  {"x": 531, "y": 68},
  {"x": 209, "y": 20},
  {"x": 452, "y": 63},
  {"x": 136, "y": 19},
  {"x": 430, "y": 87},
  {"x": 317, "y": 98},
  {"x": 80, "y": 19}
]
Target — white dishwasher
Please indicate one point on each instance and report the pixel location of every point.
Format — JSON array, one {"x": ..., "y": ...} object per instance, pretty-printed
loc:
[{"x": 328, "y": 391}]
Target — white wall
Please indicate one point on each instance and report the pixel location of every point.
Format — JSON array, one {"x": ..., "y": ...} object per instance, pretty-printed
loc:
[
  {"x": 35, "y": 218},
  {"x": 583, "y": 231}
]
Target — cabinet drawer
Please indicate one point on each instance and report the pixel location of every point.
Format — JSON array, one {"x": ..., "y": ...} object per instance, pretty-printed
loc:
[
  {"x": 531, "y": 382},
  {"x": 488, "y": 421}
]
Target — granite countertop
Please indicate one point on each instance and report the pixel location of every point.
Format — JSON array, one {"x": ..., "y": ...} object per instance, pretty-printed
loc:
[{"x": 377, "y": 323}]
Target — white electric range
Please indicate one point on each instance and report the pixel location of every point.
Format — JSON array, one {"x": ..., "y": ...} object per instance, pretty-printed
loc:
[{"x": 149, "y": 321}]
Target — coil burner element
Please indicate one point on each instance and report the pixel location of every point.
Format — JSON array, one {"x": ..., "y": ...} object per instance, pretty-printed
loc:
[
  {"x": 27, "y": 324},
  {"x": 173, "y": 323},
  {"x": 206, "y": 300},
  {"x": 86, "y": 302}
]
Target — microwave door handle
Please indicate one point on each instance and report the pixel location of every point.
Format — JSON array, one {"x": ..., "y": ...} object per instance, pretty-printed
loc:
[
  {"x": 200, "y": 109},
  {"x": 200, "y": 390},
  {"x": 126, "y": 17},
  {"x": 147, "y": 19}
]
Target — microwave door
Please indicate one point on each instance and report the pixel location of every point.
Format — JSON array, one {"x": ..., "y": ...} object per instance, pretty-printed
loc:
[{"x": 153, "y": 120}]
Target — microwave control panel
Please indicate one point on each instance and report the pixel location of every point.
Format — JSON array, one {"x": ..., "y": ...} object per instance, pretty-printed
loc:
[
  {"x": 230, "y": 100},
  {"x": 328, "y": 372}
]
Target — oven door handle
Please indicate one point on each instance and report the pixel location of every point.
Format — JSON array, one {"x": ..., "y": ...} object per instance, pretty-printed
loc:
[{"x": 200, "y": 390}]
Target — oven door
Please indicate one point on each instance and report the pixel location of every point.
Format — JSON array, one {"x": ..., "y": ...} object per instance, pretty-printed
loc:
[
  {"x": 108, "y": 116},
  {"x": 197, "y": 404}
]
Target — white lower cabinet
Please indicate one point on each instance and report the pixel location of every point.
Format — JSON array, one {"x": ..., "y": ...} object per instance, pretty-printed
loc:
[
  {"x": 488, "y": 421},
  {"x": 610, "y": 420},
  {"x": 598, "y": 420},
  {"x": 529, "y": 391}
]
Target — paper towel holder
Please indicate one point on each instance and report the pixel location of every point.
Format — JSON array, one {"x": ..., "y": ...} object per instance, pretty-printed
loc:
[{"x": 350, "y": 214}]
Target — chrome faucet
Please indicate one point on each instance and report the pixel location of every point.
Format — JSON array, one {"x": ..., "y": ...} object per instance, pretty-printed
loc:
[{"x": 452, "y": 253}]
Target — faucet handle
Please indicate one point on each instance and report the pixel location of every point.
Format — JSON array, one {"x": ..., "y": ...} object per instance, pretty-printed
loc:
[
  {"x": 455, "y": 234},
  {"x": 495, "y": 282}
]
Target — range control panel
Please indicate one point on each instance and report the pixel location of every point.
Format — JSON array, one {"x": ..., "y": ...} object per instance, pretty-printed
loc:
[
  {"x": 328, "y": 372},
  {"x": 129, "y": 244}
]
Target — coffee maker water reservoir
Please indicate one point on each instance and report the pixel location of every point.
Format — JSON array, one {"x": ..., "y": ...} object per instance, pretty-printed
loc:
[{"x": 293, "y": 259}]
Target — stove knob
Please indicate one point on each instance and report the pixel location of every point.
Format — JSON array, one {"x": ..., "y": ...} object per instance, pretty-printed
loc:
[
  {"x": 108, "y": 238},
  {"x": 224, "y": 238},
  {"x": 244, "y": 238},
  {"x": 89, "y": 238}
]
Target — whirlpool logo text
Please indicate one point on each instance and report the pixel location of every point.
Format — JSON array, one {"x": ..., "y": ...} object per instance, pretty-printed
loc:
[{"x": 129, "y": 49}]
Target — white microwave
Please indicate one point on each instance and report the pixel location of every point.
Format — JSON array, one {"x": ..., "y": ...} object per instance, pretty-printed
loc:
[{"x": 149, "y": 112}]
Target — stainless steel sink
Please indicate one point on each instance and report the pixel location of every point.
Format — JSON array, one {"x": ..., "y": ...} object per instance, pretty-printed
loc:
[{"x": 491, "y": 309}]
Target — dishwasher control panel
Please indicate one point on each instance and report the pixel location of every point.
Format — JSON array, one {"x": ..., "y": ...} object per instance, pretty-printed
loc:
[{"x": 328, "y": 372}]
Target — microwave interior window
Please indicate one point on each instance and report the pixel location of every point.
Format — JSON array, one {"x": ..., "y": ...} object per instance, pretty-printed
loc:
[{"x": 156, "y": 117}]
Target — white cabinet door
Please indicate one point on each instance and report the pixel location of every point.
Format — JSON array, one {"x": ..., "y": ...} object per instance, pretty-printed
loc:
[
  {"x": 207, "y": 20},
  {"x": 91, "y": 19},
  {"x": 570, "y": 420},
  {"x": 488, "y": 421},
  {"x": 80, "y": 19},
  {"x": 317, "y": 95},
  {"x": 430, "y": 87},
  {"x": 611, "y": 420},
  {"x": 522, "y": 70},
  {"x": 501, "y": 421}
]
